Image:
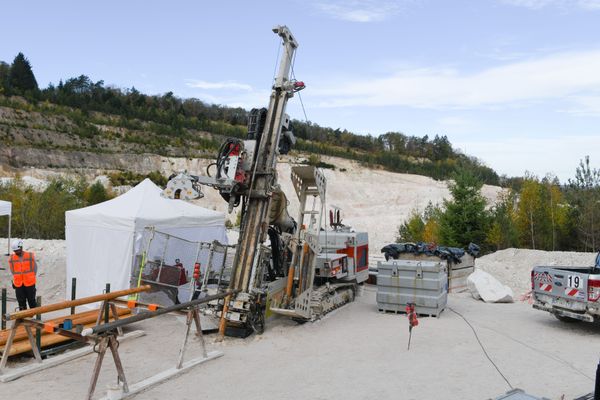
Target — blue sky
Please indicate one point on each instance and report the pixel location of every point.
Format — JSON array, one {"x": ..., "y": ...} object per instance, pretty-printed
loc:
[{"x": 515, "y": 83}]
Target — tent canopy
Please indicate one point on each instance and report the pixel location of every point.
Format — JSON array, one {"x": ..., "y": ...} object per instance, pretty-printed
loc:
[
  {"x": 102, "y": 239},
  {"x": 143, "y": 206},
  {"x": 5, "y": 207}
]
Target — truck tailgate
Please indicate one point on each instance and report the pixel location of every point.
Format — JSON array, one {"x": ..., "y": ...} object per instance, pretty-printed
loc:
[{"x": 561, "y": 287}]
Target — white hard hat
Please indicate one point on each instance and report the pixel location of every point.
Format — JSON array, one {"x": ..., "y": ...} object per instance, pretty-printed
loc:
[{"x": 17, "y": 244}]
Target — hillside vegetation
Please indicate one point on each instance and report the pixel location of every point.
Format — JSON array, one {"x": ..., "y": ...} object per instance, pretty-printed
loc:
[
  {"x": 79, "y": 114},
  {"x": 90, "y": 125}
]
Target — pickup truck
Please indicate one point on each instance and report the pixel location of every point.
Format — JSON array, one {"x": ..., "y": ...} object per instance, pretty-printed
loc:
[{"x": 570, "y": 293}]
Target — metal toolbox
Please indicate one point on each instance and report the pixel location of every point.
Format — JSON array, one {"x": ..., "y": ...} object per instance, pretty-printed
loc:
[{"x": 424, "y": 283}]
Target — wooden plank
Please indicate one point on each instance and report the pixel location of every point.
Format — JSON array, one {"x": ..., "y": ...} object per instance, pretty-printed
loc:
[
  {"x": 161, "y": 377},
  {"x": 16, "y": 373}
]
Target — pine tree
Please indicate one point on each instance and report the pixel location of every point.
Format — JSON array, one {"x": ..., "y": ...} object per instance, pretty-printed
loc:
[
  {"x": 584, "y": 194},
  {"x": 464, "y": 219},
  {"x": 4, "y": 74},
  {"x": 21, "y": 79}
]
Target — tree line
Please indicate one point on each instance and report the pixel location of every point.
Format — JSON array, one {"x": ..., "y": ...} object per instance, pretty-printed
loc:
[
  {"x": 395, "y": 151},
  {"x": 535, "y": 213},
  {"x": 40, "y": 212}
]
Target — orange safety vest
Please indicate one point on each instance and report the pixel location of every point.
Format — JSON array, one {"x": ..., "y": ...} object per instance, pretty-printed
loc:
[{"x": 23, "y": 269}]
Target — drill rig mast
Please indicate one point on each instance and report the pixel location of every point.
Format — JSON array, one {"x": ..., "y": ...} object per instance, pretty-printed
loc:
[
  {"x": 276, "y": 279},
  {"x": 254, "y": 229}
]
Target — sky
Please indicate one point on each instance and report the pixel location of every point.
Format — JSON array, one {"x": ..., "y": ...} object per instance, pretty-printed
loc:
[{"x": 515, "y": 83}]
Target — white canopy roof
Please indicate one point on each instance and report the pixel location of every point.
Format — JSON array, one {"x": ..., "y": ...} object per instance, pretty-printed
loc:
[
  {"x": 5, "y": 207},
  {"x": 143, "y": 206},
  {"x": 103, "y": 239}
]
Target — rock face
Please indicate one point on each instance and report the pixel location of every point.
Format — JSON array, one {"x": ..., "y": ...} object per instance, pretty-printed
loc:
[
  {"x": 487, "y": 288},
  {"x": 50, "y": 140},
  {"x": 78, "y": 160},
  {"x": 43, "y": 145}
]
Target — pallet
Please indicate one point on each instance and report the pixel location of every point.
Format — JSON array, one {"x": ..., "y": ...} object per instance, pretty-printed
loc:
[{"x": 381, "y": 310}]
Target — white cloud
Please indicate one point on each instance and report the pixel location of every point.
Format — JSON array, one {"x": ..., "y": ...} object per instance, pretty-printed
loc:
[
  {"x": 231, "y": 85},
  {"x": 252, "y": 99},
  {"x": 539, "y": 4},
  {"x": 360, "y": 11},
  {"x": 558, "y": 155},
  {"x": 585, "y": 106},
  {"x": 454, "y": 124},
  {"x": 555, "y": 77}
]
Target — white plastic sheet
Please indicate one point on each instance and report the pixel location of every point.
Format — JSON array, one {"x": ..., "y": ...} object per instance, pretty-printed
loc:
[{"x": 5, "y": 207}]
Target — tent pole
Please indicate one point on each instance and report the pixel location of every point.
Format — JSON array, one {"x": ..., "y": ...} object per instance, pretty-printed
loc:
[{"x": 9, "y": 227}]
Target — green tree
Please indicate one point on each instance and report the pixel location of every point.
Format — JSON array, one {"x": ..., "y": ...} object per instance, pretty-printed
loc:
[
  {"x": 96, "y": 193},
  {"x": 530, "y": 212},
  {"x": 421, "y": 227},
  {"x": 503, "y": 232},
  {"x": 21, "y": 79},
  {"x": 4, "y": 74},
  {"x": 465, "y": 218},
  {"x": 557, "y": 212},
  {"x": 542, "y": 215},
  {"x": 431, "y": 217},
  {"x": 41, "y": 214},
  {"x": 584, "y": 196},
  {"x": 411, "y": 230}
]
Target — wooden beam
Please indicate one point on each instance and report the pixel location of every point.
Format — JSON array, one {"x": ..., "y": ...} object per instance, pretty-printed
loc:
[
  {"x": 73, "y": 303},
  {"x": 162, "y": 376}
]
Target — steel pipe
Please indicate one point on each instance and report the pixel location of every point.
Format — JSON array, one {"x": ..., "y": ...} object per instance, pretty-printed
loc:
[
  {"x": 151, "y": 314},
  {"x": 73, "y": 303}
]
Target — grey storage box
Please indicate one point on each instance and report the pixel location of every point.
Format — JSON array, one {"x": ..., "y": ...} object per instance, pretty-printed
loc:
[{"x": 424, "y": 283}]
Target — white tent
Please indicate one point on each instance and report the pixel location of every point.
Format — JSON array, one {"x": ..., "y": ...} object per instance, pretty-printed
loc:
[
  {"x": 102, "y": 239},
  {"x": 6, "y": 209}
]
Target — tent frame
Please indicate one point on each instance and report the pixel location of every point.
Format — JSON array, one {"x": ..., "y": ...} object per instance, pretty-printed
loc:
[{"x": 9, "y": 228}]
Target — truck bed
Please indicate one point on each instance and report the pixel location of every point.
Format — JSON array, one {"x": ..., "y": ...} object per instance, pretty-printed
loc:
[{"x": 570, "y": 293}]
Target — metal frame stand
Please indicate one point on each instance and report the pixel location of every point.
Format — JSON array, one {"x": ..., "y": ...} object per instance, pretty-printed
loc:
[
  {"x": 110, "y": 341},
  {"x": 28, "y": 323},
  {"x": 11, "y": 337}
]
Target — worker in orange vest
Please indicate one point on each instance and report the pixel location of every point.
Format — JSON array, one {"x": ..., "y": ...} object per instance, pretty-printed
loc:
[{"x": 23, "y": 267}]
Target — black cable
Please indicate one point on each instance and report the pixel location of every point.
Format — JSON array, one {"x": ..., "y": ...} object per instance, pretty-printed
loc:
[
  {"x": 303, "y": 110},
  {"x": 208, "y": 168},
  {"x": 482, "y": 347},
  {"x": 224, "y": 151},
  {"x": 545, "y": 354}
]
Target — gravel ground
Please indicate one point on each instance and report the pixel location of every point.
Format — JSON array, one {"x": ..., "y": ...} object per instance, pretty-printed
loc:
[{"x": 356, "y": 353}]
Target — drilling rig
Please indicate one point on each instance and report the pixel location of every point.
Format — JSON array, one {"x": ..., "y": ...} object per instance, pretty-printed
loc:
[{"x": 308, "y": 269}]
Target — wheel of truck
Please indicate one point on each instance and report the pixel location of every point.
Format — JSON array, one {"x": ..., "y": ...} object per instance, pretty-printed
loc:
[{"x": 562, "y": 318}]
